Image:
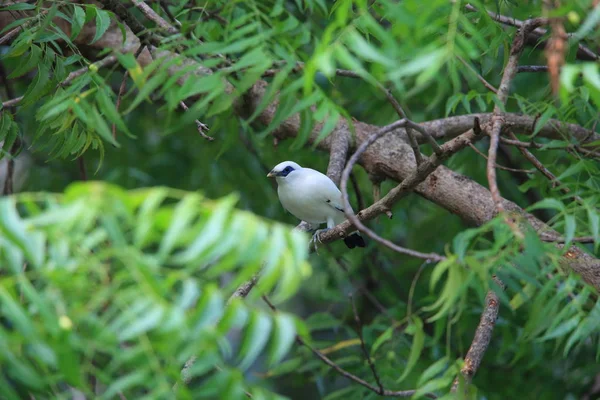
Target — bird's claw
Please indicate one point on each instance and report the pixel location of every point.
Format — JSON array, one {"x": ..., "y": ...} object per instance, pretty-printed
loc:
[{"x": 316, "y": 238}]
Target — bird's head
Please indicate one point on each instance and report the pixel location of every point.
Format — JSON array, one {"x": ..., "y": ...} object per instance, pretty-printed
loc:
[{"x": 282, "y": 170}]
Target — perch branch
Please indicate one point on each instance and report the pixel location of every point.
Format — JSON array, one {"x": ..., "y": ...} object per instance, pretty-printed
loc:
[{"x": 407, "y": 185}]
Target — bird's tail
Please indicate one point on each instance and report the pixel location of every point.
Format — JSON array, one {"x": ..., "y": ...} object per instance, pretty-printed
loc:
[{"x": 354, "y": 240}]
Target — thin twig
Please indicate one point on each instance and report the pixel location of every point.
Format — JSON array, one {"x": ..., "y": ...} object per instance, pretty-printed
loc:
[
  {"x": 478, "y": 75},
  {"x": 364, "y": 347},
  {"x": 8, "y": 36},
  {"x": 344, "y": 373},
  {"x": 81, "y": 164},
  {"x": 524, "y": 171},
  {"x": 545, "y": 171},
  {"x": 356, "y": 187},
  {"x": 201, "y": 127},
  {"x": 361, "y": 288},
  {"x": 243, "y": 290},
  {"x": 411, "y": 137},
  {"x": 483, "y": 335},
  {"x": 532, "y": 68},
  {"x": 300, "y": 66},
  {"x": 583, "y": 52},
  {"x": 165, "y": 8},
  {"x": 154, "y": 17},
  {"x": 14, "y": 149},
  {"x": 554, "y": 239},
  {"x": 122, "y": 88}
]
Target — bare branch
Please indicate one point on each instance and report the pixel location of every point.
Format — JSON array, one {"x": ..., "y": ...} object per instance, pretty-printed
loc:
[
  {"x": 14, "y": 149},
  {"x": 201, "y": 127},
  {"x": 364, "y": 347},
  {"x": 483, "y": 335},
  {"x": 154, "y": 17},
  {"x": 551, "y": 238},
  {"x": 8, "y": 36},
  {"x": 82, "y": 171},
  {"x": 583, "y": 52},
  {"x": 524, "y": 171},
  {"x": 540, "y": 167},
  {"x": 243, "y": 290},
  {"x": 532, "y": 68},
  {"x": 478, "y": 75},
  {"x": 497, "y": 120}
]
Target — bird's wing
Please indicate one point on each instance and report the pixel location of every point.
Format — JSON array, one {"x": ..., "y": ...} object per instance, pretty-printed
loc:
[{"x": 325, "y": 189}]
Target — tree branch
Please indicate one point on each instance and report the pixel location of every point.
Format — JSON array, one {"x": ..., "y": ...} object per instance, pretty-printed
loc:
[
  {"x": 481, "y": 340},
  {"x": 406, "y": 186},
  {"x": 510, "y": 71},
  {"x": 70, "y": 78},
  {"x": 364, "y": 347},
  {"x": 583, "y": 52}
]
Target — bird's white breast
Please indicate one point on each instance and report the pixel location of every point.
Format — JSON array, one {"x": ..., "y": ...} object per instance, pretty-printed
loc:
[{"x": 306, "y": 197}]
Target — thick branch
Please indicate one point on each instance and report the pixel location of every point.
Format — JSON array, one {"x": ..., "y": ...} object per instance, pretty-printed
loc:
[{"x": 391, "y": 157}]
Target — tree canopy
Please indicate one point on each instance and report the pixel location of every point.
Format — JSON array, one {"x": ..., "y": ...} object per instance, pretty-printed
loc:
[{"x": 145, "y": 254}]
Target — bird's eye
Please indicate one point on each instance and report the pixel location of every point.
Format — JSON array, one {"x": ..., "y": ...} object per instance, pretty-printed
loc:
[{"x": 288, "y": 169}]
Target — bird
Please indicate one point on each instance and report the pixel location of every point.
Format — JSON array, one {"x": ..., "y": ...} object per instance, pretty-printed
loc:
[{"x": 312, "y": 197}]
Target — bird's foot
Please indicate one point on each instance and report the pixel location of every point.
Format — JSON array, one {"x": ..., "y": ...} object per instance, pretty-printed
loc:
[{"x": 316, "y": 238}]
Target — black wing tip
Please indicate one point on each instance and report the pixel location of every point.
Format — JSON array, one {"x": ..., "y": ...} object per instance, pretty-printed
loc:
[{"x": 354, "y": 240}]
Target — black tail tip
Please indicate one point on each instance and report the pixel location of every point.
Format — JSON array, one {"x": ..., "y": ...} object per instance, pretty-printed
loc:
[{"x": 354, "y": 240}]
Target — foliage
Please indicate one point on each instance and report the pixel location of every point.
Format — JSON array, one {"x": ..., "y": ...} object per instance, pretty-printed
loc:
[
  {"x": 125, "y": 285},
  {"x": 100, "y": 281}
]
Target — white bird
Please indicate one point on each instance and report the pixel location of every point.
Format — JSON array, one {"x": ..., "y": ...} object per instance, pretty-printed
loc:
[{"x": 311, "y": 197}]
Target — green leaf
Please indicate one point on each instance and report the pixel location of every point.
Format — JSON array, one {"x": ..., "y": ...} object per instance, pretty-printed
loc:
[
  {"x": 78, "y": 21},
  {"x": 570, "y": 227},
  {"x": 384, "y": 337},
  {"x": 416, "y": 349},
  {"x": 594, "y": 219},
  {"x": 18, "y": 7},
  {"x": 542, "y": 120},
  {"x": 548, "y": 203},
  {"x": 255, "y": 338},
  {"x": 185, "y": 211},
  {"x": 102, "y": 23},
  {"x": 283, "y": 338},
  {"x": 211, "y": 232},
  {"x": 434, "y": 369},
  {"x": 101, "y": 127},
  {"x": 588, "y": 25},
  {"x": 109, "y": 109},
  {"x": 562, "y": 329}
]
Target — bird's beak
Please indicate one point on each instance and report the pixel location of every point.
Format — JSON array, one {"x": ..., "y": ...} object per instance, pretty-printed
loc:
[{"x": 271, "y": 174}]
